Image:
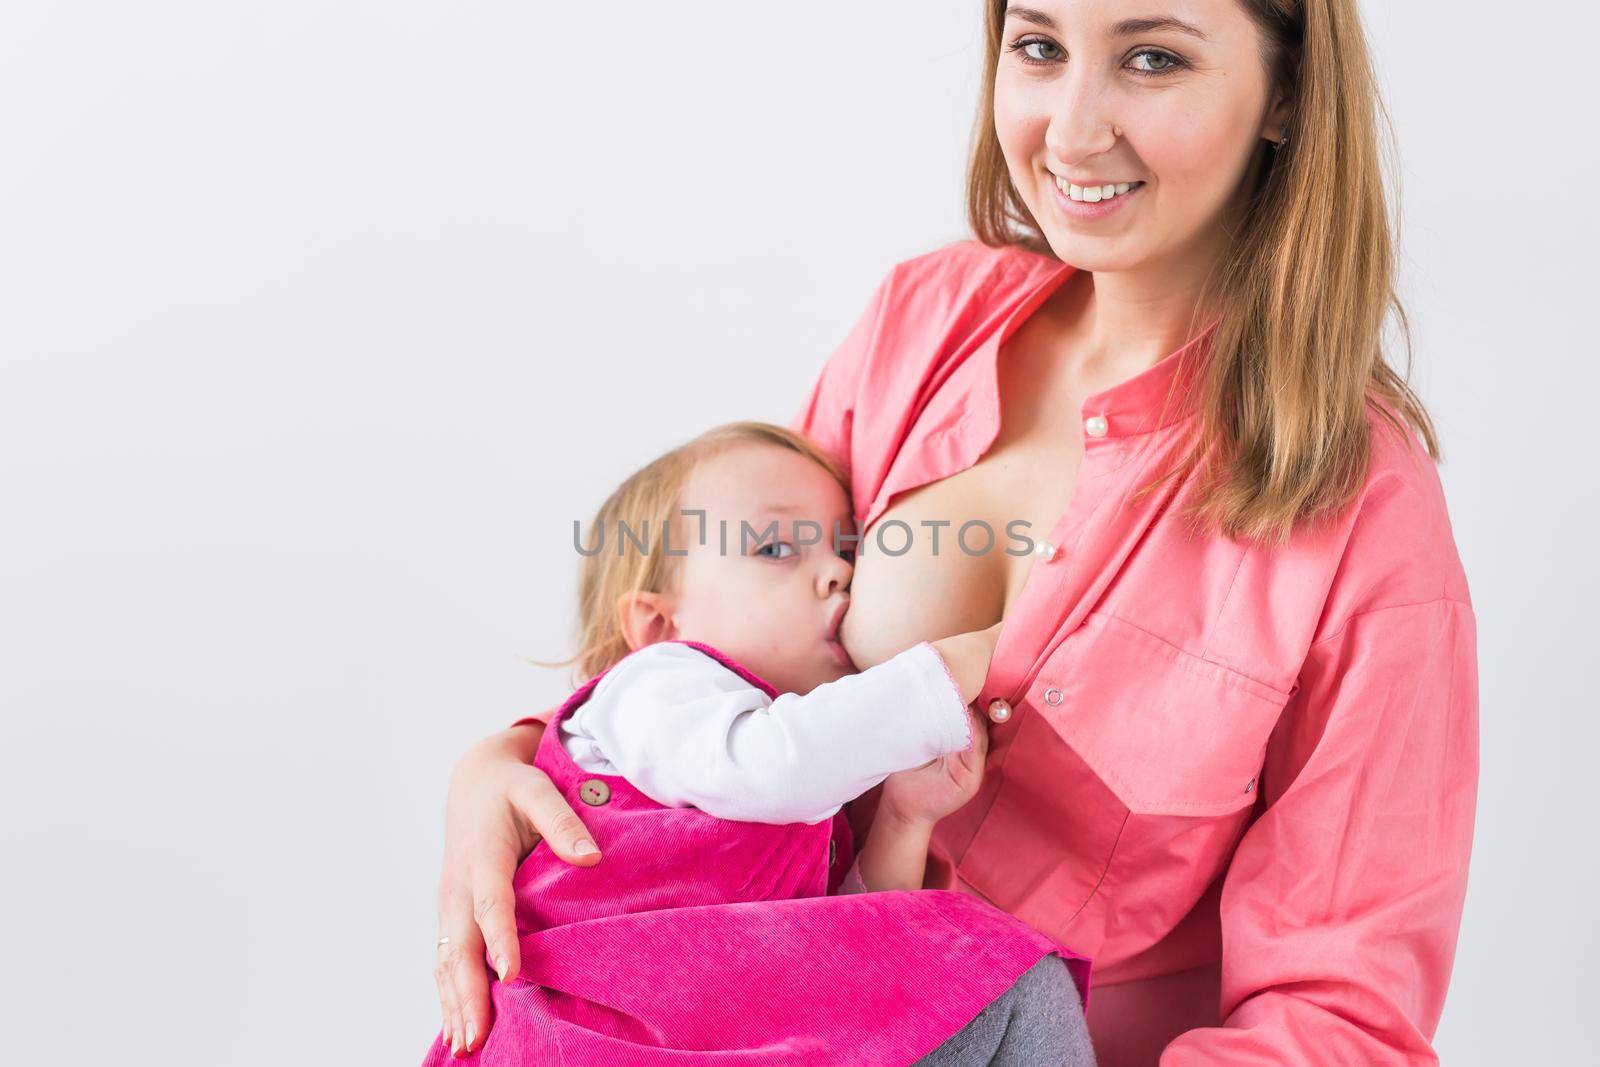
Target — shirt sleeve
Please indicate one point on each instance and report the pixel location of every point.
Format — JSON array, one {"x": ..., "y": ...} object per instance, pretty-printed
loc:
[
  {"x": 1341, "y": 906},
  {"x": 688, "y": 732},
  {"x": 542, "y": 718},
  {"x": 827, "y": 415}
]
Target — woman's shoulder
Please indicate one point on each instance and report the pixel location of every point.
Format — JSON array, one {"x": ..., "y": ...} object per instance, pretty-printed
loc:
[
  {"x": 965, "y": 271},
  {"x": 1399, "y": 545}
]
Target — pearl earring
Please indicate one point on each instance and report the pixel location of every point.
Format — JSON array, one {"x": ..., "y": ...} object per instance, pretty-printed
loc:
[{"x": 1283, "y": 136}]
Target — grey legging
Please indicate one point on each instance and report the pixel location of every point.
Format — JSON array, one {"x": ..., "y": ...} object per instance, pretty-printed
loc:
[{"x": 1035, "y": 1023}]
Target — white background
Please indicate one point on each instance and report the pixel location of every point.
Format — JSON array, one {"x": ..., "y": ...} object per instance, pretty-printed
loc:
[{"x": 320, "y": 322}]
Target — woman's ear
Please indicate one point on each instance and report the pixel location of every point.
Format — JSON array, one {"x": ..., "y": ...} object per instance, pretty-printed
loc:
[
  {"x": 1278, "y": 116},
  {"x": 645, "y": 618}
]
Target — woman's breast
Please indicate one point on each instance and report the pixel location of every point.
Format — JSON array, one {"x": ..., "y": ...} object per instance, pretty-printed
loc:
[{"x": 919, "y": 577}]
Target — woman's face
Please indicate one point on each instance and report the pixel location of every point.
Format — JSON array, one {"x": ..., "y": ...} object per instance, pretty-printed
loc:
[{"x": 1186, "y": 83}]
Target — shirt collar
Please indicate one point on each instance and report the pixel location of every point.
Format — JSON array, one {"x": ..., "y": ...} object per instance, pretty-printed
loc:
[{"x": 1156, "y": 397}]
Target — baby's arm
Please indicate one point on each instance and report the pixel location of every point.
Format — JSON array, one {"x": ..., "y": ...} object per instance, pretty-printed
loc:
[
  {"x": 911, "y": 804},
  {"x": 689, "y": 732},
  {"x": 895, "y": 856}
]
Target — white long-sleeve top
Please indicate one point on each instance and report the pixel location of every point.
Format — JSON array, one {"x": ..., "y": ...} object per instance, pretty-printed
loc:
[{"x": 689, "y": 732}]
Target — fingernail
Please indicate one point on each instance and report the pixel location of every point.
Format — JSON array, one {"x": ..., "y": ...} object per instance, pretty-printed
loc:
[
  {"x": 455, "y": 1046},
  {"x": 472, "y": 1035},
  {"x": 500, "y": 967},
  {"x": 584, "y": 847}
]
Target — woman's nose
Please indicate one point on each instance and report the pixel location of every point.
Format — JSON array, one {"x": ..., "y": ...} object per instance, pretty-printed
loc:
[{"x": 1080, "y": 127}]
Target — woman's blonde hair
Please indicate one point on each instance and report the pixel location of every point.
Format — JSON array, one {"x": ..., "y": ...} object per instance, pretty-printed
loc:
[
  {"x": 649, "y": 497},
  {"x": 1301, "y": 297}
]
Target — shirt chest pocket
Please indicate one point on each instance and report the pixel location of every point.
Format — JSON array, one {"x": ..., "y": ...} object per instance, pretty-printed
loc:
[{"x": 1168, "y": 732}]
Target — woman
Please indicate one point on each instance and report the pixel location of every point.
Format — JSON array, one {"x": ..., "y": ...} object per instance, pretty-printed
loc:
[{"x": 1233, "y": 751}]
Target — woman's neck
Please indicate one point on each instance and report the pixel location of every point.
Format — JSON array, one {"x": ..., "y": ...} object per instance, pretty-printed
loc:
[{"x": 1121, "y": 323}]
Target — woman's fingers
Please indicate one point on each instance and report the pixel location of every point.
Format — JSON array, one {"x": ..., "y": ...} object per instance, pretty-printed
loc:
[
  {"x": 465, "y": 913},
  {"x": 448, "y": 1010},
  {"x": 550, "y": 817},
  {"x": 499, "y": 808},
  {"x": 494, "y": 911},
  {"x": 469, "y": 987},
  {"x": 460, "y": 947}
]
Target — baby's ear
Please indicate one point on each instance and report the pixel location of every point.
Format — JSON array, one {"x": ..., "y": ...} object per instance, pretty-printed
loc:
[{"x": 645, "y": 618}]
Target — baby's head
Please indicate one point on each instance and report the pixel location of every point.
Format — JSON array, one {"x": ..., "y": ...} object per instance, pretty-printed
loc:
[{"x": 742, "y": 578}]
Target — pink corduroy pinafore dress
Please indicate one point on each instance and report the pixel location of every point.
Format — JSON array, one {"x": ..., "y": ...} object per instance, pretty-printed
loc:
[{"x": 698, "y": 939}]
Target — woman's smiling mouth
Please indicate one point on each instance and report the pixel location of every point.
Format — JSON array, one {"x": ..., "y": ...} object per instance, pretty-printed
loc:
[
  {"x": 1096, "y": 192},
  {"x": 1092, "y": 201}
]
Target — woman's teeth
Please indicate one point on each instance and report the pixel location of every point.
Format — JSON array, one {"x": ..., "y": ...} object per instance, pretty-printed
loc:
[{"x": 1093, "y": 194}]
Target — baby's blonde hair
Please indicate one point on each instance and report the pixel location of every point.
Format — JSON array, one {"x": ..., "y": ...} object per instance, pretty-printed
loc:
[{"x": 650, "y": 495}]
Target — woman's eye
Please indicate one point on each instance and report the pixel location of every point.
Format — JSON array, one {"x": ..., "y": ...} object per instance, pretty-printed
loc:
[
  {"x": 1164, "y": 62},
  {"x": 1028, "y": 48},
  {"x": 774, "y": 549}
]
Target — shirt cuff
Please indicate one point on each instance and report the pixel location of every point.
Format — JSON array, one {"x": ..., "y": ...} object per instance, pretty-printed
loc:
[
  {"x": 543, "y": 718},
  {"x": 852, "y": 882},
  {"x": 943, "y": 692}
]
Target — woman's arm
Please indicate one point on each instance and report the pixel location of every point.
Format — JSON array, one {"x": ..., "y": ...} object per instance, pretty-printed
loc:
[
  {"x": 499, "y": 806},
  {"x": 1341, "y": 905}
]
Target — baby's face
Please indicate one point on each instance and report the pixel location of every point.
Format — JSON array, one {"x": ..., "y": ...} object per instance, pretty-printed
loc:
[{"x": 766, "y": 598}]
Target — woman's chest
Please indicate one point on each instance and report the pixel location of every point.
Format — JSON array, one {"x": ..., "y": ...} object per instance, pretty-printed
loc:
[{"x": 953, "y": 550}]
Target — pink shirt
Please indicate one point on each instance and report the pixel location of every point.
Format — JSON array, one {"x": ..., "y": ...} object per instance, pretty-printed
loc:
[{"x": 1241, "y": 780}]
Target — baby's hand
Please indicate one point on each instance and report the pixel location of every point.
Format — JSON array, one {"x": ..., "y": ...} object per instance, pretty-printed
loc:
[
  {"x": 967, "y": 656},
  {"x": 928, "y": 793}
]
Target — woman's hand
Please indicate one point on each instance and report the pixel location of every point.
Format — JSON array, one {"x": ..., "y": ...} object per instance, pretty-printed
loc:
[
  {"x": 928, "y": 793},
  {"x": 499, "y": 807}
]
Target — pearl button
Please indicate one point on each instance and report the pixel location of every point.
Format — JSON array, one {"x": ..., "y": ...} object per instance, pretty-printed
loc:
[
  {"x": 999, "y": 710},
  {"x": 1249, "y": 787},
  {"x": 594, "y": 792},
  {"x": 1047, "y": 549},
  {"x": 1052, "y": 696},
  {"x": 1096, "y": 426}
]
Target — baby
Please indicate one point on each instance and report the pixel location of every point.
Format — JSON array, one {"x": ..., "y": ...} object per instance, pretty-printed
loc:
[{"x": 710, "y": 754}]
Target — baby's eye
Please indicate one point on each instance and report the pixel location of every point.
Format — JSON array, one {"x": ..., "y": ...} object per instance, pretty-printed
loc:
[{"x": 776, "y": 548}]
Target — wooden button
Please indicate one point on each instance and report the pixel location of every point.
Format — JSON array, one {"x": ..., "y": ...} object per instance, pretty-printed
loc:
[{"x": 594, "y": 792}]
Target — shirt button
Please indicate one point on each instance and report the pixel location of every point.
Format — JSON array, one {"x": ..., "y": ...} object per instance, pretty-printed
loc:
[
  {"x": 999, "y": 710},
  {"x": 594, "y": 792},
  {"x": 1052, "y": 696},
  {"x": 1047, "y": 550},
  {"x": 833, "y": 853},
  {"x": 1096, "y": 426},
  {"x": 1249, "y": 787}
]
